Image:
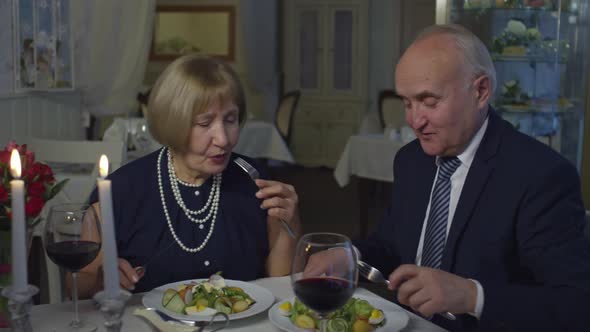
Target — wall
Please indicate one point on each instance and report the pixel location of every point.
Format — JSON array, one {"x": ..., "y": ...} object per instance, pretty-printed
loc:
[
  {"x": 55, "y": 115},
  {"x": 253, "y": 97}
]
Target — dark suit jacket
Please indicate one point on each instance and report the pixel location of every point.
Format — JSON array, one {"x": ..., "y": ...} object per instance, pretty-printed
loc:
[{"x": 517, "y": 229}]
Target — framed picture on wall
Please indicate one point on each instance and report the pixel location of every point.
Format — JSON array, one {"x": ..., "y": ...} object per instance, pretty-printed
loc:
[{"x": 181, "y": 30}]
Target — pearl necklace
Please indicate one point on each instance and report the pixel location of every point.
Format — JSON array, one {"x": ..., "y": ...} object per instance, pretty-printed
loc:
[
  {"x": 168, "y": 220},
  {"x": 186, "y": 184},
  {"x": 213, "y": 196}
]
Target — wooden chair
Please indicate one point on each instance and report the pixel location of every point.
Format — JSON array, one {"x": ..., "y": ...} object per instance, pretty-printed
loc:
[
  {"x": 285, "y": 113},
  {"x": 72, "y": 152},
  {"x": 391, "y": 110},
  {"x": 66, "y": 152}
]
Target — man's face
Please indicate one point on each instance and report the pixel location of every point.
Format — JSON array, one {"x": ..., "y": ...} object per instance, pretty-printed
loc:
[{"x": 443, "y": 102}]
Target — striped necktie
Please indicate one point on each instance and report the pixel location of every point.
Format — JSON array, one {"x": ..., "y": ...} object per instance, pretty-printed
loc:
[{"x": 436, "y": 229}]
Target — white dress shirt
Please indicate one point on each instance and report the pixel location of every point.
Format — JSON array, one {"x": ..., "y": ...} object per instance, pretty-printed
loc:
[{"x": 457, "y": 181}]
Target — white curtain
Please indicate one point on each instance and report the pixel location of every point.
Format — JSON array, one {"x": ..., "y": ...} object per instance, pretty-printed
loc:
[
  {"x": 111, "y": 40},
  {"x": 259, "y": 33}
]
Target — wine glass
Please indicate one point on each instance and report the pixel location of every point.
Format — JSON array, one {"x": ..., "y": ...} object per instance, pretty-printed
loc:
[
  {"x": 141, "y": 137},
  {"x": 72, "y": 240},
  {"x": 324, "y": 272}
]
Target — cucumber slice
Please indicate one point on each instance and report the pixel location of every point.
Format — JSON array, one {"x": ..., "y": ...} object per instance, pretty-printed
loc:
[
  {"x": 176, "y": 304},
  {"x": 222, "y": 304},
  {"x": 168, "y": 294}
]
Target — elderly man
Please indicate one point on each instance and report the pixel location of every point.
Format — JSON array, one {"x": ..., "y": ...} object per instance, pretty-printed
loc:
[{"x": 484, "y": 222}]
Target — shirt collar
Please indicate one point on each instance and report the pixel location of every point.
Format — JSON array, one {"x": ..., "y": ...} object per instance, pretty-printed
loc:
[{"x": 466, "y": 157}]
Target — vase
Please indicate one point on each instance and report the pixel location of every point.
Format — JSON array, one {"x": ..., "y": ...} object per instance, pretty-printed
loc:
[{"x": 6, "y": 270}]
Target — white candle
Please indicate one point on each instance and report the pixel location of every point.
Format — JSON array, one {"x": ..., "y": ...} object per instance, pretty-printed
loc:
[
  {"x": 19, "y": 249},
  {"x": 109, "y": 244}
]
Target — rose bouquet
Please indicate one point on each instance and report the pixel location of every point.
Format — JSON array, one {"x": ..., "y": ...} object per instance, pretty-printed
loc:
[
  {"x": 40, "y": 187},
  {"x": 39, "y": 181}
]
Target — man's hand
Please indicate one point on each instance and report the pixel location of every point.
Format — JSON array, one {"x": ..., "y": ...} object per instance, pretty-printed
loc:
[
  {"x": 328, "y": 262},
  {"x": 429, "y": 291}
]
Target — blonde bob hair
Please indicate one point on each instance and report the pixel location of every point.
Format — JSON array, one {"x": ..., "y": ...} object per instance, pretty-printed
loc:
[{"x": 186, "y": 88}]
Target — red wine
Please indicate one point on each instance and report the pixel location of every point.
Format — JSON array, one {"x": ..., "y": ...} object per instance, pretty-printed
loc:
[
  {"x": 72, "y": 255},
  {"x": 323, "y": 294}
]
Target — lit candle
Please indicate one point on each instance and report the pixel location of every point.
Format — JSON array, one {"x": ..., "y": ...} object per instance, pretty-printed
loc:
[
  {"x": 19, "y": 249},
  {"x": 109, "y": 245}
]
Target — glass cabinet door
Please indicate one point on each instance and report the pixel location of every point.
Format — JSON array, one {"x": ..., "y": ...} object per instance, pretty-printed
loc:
[
  {"x": 341, "y": 51},
  {"x": 309, "y": 47},
  {"x": 540, "y": 51}
]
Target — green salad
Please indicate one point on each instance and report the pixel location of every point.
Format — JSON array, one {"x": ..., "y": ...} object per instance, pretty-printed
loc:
[
  {"x": 355, "y": 316},
  {"x": 205, "y": 298}
]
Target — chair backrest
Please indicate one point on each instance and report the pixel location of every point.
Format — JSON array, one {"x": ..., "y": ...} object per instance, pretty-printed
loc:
[
  {"x": 77, "y": 152},
  {"x": 391, "y": 110},
  {"x": 285, "y": 113}
]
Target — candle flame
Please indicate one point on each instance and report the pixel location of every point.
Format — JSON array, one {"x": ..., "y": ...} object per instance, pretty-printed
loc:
[
  {"x": 15, "y": 168},
  {"x": 103, "y": 166}
]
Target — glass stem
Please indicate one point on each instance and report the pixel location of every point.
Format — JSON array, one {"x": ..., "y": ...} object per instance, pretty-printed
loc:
[
  {"x": 323, "y": 323},
  {"x": 75, "y": 297}
]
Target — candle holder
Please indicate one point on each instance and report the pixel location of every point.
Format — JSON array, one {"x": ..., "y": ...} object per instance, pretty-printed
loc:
[
  {"x": 19, "y": 304},
  {"x": 112, "y": 308}
]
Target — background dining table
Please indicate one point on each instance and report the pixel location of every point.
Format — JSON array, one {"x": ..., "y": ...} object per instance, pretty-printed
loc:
[
  {"x": 258, "y": 139},
  {"x": 50, "y": 317}
]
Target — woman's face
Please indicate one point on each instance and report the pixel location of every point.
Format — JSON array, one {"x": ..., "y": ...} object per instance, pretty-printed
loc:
[{"x": 213, "y": 135}]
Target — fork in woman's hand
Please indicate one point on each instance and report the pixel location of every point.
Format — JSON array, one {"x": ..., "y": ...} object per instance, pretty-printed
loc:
[{"x": 254, "y": 175}]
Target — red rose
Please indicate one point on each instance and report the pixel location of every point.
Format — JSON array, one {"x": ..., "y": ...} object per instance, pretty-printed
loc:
[
  {"x": 11, "y": 145},
  {"x": 3, "y": 194},
  {"x": 34, "y": 206},
  {"x": 45, "y": 173},
  {"x": 36, "y": 189},
  {"x": 5, "y": 157},
  {"x": 28, "y": 158},
  {"x": 32, "y": 173}
]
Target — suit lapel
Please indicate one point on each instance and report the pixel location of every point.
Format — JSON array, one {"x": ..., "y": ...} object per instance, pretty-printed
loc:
[
  {"x": 479, "y": 172},
  {"x": 420, "y": 194}
]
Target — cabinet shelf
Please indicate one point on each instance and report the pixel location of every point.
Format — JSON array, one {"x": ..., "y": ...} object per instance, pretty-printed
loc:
[
  {"x": 535, "y": 109},
  {"x": 479, "y": 10},
  {"x": 528, "y": 58}
]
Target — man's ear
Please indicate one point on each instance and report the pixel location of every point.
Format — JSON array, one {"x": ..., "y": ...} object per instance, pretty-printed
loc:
[{"x": 482, "y": 90}]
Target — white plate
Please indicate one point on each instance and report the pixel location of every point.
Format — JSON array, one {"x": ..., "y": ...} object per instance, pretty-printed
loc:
[
  {"x": 263, "y": 297},
  {"x": 396, "y": 317}
]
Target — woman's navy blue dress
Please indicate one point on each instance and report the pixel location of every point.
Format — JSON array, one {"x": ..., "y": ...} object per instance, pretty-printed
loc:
[{"x": 238, "y": 246}]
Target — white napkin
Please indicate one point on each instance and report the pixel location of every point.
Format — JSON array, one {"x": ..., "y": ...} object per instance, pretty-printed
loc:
[{"x": 161, "y": 325}]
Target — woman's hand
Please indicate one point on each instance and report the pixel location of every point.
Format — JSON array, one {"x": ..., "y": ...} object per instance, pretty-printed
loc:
[
  {"x": 127, "y": 275},
  {"x": 280, "y": 200}
]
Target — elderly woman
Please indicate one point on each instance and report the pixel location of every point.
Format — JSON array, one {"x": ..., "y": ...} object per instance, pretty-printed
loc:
[{"x": 187, "y": 209}]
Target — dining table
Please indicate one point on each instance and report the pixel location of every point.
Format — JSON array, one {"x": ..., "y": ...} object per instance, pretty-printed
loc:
[
  {"x": 51, "y": 317},
  {"x": 369, "y": 158},
  {"x": 258, "y": 139}
]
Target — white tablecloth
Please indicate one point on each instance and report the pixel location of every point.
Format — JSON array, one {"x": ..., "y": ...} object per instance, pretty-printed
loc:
[
  {"x": 258, "y": 139},
  {"x": 51, "y": 317},
  {"x": 367, "y": 156}
]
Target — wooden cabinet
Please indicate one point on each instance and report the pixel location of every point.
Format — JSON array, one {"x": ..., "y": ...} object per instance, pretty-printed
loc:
[{"x": 325, "y": 56}]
